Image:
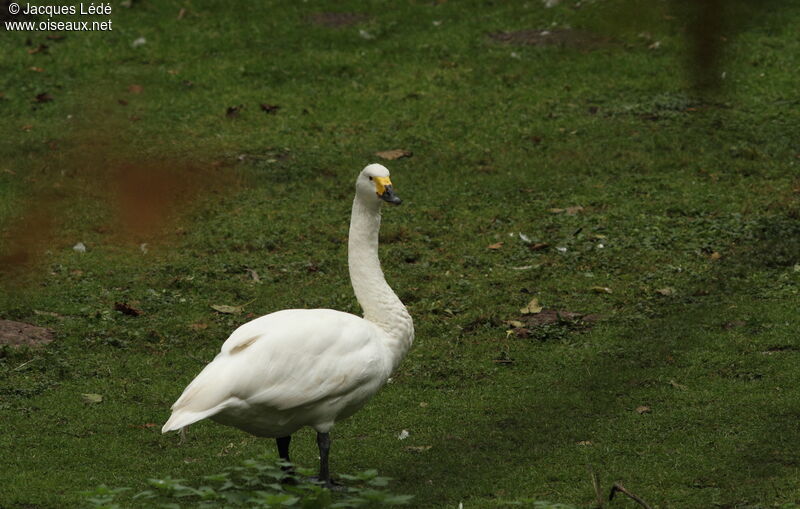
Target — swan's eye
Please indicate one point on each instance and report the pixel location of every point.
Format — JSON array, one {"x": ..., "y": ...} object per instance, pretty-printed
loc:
[{"x": 370, "y": 178}]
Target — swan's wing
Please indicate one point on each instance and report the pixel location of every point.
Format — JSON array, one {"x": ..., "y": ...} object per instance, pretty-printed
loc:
[{"x": 289, "y": 359}]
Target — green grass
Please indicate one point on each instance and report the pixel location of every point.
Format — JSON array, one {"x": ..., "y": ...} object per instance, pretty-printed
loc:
[{"x": 500, "y": 134}]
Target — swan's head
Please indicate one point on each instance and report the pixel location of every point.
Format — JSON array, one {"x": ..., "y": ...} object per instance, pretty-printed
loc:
[{"x": 373, "y": 184}]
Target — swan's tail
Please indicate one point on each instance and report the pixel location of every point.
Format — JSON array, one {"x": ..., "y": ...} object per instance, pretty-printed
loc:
[{"x": 182, "y": 418}]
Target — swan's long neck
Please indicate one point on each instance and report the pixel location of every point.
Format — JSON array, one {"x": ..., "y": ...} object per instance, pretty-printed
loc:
[{"x": 380, "y": 304}]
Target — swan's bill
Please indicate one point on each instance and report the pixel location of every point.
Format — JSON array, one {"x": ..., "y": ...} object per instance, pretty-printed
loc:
[{"x": 383, "y": 186}]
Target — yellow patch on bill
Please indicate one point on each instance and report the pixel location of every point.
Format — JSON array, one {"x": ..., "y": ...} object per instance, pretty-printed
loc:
[{"x": 381, "y": 183}]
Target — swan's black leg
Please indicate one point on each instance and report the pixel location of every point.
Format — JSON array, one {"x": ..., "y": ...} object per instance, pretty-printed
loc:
[
  {"x": 283, "y": 453},
  {"x": 324, "y": 444},
  {"x": 283, "y": 447}
]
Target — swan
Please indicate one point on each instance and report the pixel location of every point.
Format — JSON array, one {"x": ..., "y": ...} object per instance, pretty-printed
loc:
[{"x": 310, "y": 367}]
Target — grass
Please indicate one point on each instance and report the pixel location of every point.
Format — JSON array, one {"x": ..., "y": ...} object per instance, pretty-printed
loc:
[{"x": 692, "y": 191}]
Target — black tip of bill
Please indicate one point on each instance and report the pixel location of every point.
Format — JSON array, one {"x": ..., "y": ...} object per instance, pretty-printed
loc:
[{"x": 389, "y": 196}]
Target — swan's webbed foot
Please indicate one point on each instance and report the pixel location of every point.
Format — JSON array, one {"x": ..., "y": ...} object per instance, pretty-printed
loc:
[{"x": 330, "y": 484}]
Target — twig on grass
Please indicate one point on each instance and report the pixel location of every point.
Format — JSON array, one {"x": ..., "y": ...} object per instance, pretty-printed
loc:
[
  {"x": 619, "y": 487},
  {"x": 599, "y": 499}
]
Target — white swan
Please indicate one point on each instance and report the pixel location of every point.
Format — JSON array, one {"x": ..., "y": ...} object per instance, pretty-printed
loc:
[{"x": 309, "y": 367}]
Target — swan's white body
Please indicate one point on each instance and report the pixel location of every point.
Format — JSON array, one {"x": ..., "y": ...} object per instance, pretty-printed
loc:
[{"x": 309, "y": 367}]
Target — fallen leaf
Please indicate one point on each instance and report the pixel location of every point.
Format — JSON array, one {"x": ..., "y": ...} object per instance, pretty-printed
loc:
[
  {"x": 42, "y": 48},
  {"x": 27, "y": 127},
  {"x": 270, "y": 109},
  {"x": 55, "y": 37},
  {"x": 181, "y": 13},
  {"x": 643, "y": 409},
  {"x": 539, "y": 246},
  {"x": 122, "y": 102},
  {"x": 418, "y": 448},
  {"x": 233, "y": 111},
  {"x": 666, "y": 291},
  {"x": 146, "y": 425},
  {"x": 532, "y": 308},
  {"x": 601, "y": 289},
  {"x": 135, "y": 89},
  {"x": 36, "y": 69},
  {"x": 391, "y": 155},
  {"x": 92, "y": 398},
  {"x": 503, "y": 359},
  {"x": 715, "y": 256},
  {"x": 496, "y": 245},
  {"x": 47, "y": 313},
  {"x": 423, "y": 404},
  {"x": 198, "y": 326},
  {"x": 126, "y": 309},
  {"x": 571, "y": 211},
  {"x": 677, "y": 385},
  {"x": 584, "y": 442},
  {"x": 44, "y": 97},
  {"x": 254, "y": 275},
  {"x": 228, "y": 310},
  {"x": 733, "y": 324}
]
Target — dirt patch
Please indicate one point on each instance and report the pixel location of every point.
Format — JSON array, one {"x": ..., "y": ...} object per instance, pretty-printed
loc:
[
  {"x": 24, "y": 334},
  {"x": 560, "y": 37},
  {"x": 548, "y": 316},
  {"x": 534, "y": 324},
  {"x": 337, "y": 19}
]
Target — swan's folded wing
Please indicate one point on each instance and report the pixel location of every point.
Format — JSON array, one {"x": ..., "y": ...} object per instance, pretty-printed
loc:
[
  {"x": 289, "y": 359},
  {"x": 307, "y": 356}
]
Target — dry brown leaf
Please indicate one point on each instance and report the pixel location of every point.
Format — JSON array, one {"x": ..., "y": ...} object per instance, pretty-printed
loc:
[
  {"x": 539, "y": 246},
  {"x": 36, "y": 69},
  {"x": 666, "y": 291},
  {"x": 643, "y": 409},
  {"x": 418, "y": 448},
  {"x": 532, "y": 308},
  {"x": 571, "y": 211},
  {"x": 496, "y": 245},
  {"x": 135, "y": 89},
  {"x": 198, "y": 326},
  {"x": 42, "y": 48},
  {"x": 715, "y": 256},
  {"x": 584, "y": 442},
  {"x": 126, "y": 309},
  {"x": 270, "y": 109},
  {"x": 92, "y": 398},
  {"x": 27, "y": 127},
  {"x": 228, "y": 310},
  {"x": 44, "y": 97},
  {"x": 601, "y": 289},
  {"x": 233, "y": 111},
  {"x": 391, "y": 155}
]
